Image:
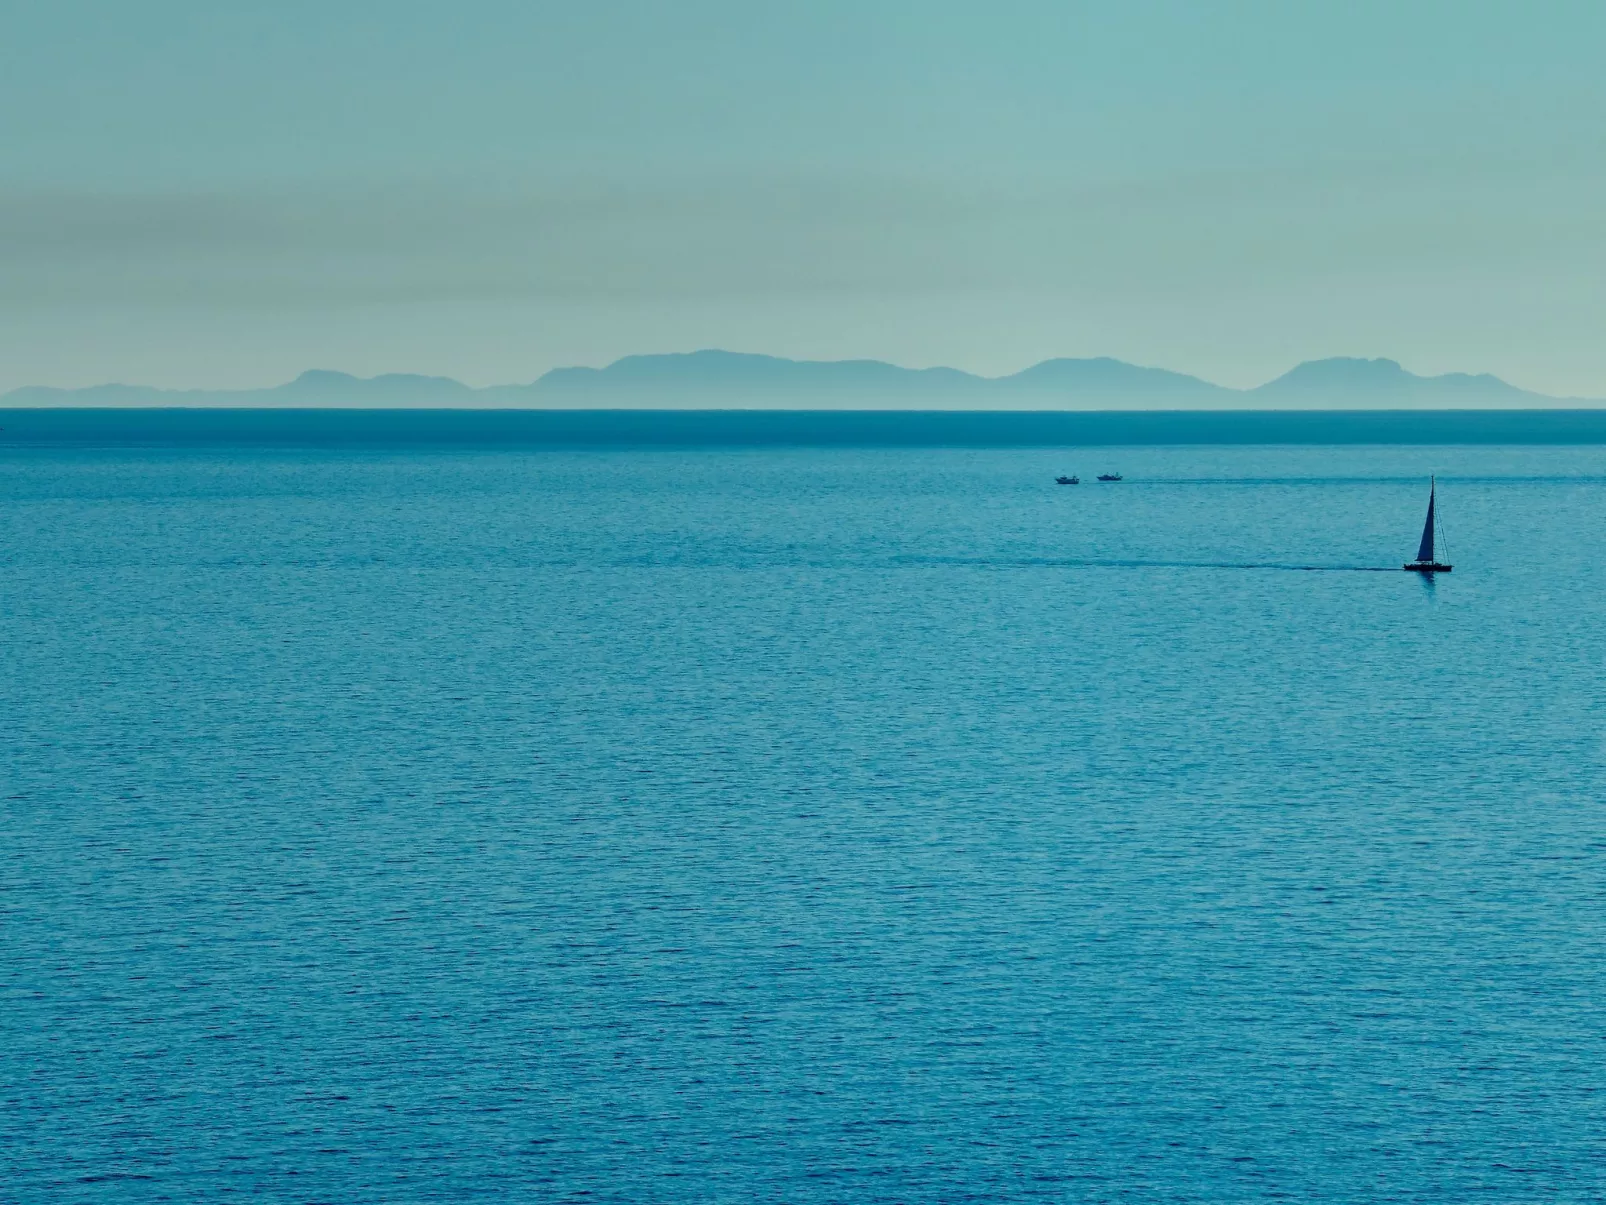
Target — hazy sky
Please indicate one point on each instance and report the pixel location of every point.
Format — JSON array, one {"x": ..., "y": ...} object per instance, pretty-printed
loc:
[{"x": 224, "y": 193}]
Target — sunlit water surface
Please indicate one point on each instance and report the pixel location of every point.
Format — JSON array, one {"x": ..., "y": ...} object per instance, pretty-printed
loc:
[{"x": 801, "y": 826}]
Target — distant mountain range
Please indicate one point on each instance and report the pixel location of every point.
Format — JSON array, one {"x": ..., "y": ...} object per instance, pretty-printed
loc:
[{"x": 733, "y": 380}]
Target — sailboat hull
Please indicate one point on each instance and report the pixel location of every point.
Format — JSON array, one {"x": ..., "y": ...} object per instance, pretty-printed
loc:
[{"x": 1427, "y": 567}]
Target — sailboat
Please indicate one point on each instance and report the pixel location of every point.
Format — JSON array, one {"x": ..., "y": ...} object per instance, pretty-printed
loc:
[{"x": 1425, "y": 561}]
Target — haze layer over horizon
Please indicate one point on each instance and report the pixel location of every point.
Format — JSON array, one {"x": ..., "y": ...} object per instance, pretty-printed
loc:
[{"x": 202, "y": 196}]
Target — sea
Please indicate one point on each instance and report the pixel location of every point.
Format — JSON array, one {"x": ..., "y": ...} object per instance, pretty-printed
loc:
[{"x": 796, "y": 824}]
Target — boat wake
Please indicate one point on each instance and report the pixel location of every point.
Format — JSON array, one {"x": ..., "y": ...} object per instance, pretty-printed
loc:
[
  {"x": 1080, "y": 563},
  {"x": 1426, "y": 562}
]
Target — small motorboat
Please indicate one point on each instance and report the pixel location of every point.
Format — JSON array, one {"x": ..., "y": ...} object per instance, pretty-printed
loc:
[
  {"x": 1067, "y": 481},
  {"x": 1426, "y": 561},
  {"x": 1109, "y": 476}
]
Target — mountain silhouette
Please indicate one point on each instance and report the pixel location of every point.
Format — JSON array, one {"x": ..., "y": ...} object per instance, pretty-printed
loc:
[
  {"x": 1104, "y": 375},
  {"x": 316, "y": 387},
  {"x": 320, "y": 386},
  {"x": 725, "y": 379},
  {"x": 1324, "y": 381},
  {"x": 717, "y": 380},
  {"x": 721, "y": 378},
  {"x": 723, "y": 373}
]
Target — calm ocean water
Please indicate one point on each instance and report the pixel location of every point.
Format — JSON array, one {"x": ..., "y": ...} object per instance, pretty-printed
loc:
[{"x": 801, "y": 826}]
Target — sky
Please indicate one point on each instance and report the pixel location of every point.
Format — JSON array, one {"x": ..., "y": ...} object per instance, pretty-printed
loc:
[{"x": 223, "y": 194}]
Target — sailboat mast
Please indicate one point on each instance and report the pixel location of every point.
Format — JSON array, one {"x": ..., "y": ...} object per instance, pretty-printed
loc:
[
  {"x": 1426, "y": 562},
  {"x": 1425, "y": 551}
]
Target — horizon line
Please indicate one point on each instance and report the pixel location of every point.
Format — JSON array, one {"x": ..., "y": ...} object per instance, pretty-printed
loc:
[{"x": 65, "y": 427}]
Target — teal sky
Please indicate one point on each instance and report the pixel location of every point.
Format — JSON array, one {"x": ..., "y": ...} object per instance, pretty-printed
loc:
[{"x": 222, "y": 194}]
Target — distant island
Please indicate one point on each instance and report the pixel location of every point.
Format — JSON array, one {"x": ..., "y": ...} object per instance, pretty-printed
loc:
[{"x": 722, "y": 380}]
